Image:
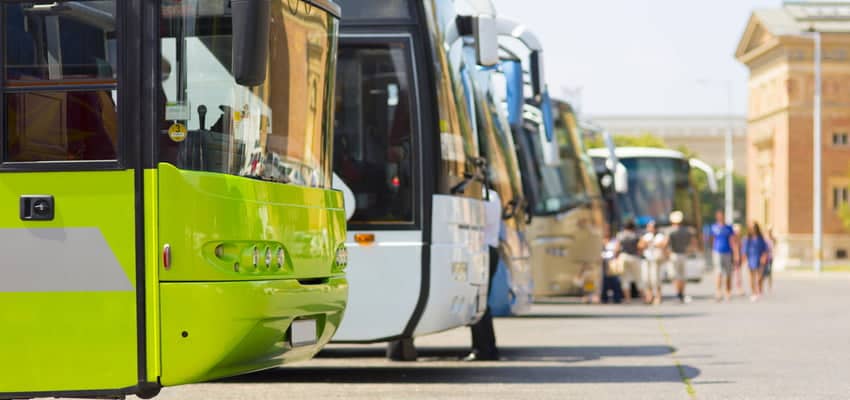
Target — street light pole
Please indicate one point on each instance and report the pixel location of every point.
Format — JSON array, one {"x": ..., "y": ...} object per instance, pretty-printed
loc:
[
  {"x": 817, "y": 227},
  {"x": 729, "y": 197},
  {"x": 729, "y": 173}
]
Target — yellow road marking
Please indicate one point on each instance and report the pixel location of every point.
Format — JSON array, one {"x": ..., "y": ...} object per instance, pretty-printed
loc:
[{"x": 682, "y": 373}]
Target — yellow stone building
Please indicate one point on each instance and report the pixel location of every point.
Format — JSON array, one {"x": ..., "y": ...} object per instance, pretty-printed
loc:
[{"x": 779, "y": 125}]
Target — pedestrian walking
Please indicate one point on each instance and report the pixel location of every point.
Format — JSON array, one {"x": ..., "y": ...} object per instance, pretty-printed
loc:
[
  {"x": 681, "y": 241},
  {"x": 737, "y": 266},
  {"x": 767, "y": 274},
  {"x": 755, "y": 252},
  {"x": 653, "y": 245},
  {"x": 724, "y": 253},
  {"x": 628, "y": 255},
  {"x": 611, "y": 271},
  {"x": 483, "y": 334}
]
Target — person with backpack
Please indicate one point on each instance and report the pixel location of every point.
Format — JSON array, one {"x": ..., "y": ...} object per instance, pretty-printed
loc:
[
  {"x": 681, "y": 240},
  {"x": 628, "y": 255}
]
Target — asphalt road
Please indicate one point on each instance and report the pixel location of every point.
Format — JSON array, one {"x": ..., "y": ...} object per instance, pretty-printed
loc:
[{"x": 793, "y": 344}]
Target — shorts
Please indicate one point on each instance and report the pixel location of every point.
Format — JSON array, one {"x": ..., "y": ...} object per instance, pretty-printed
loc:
[
  {"x": 722, "y": 263},
  {"x": 652, "y": 274},
  {"x": 768, "y": 268},
  {"x": 631, "y": 270},
  {"x": 677, "y": 266}
]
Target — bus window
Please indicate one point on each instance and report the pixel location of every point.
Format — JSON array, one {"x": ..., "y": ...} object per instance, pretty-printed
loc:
[
  {"x": 276, "y": 131},
  {"x": 572, "y": 163},
  {"x": 374, "y": 130},
  {"x": 60, "y": 82},
  {"x": 353, "y": 10},
  {"x": 657, "y": 187}
]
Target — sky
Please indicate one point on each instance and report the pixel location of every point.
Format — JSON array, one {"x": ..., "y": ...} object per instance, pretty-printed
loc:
[{"x": 642, "y": 57}]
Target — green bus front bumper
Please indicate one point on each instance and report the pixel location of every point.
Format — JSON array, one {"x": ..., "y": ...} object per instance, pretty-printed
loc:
[{"x": 217, "y": 329}]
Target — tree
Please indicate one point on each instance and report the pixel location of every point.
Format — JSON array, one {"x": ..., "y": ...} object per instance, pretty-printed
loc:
[{"x": 643, "y": 140}]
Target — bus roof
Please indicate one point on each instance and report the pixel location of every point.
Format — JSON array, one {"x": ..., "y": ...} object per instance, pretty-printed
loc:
[{"x": 634, "y": 152}]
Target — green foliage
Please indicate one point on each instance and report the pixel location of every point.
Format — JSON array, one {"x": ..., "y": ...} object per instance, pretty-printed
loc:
[
  {"x": 643, "y": 140},
  {"x": 711, "y": 202}
]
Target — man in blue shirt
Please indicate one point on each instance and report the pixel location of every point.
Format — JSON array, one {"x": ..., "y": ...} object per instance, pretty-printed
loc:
[{"x": 724, "y": 252}]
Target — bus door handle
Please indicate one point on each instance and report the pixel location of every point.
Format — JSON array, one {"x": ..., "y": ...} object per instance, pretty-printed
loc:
[{"x": 37, "y": 208}]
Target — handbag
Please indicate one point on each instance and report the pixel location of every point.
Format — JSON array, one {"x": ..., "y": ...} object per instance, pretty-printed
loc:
[{"x": 615, "y": 266}]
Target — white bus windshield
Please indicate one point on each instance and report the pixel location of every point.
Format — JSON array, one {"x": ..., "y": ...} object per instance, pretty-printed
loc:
[{"x": 657, "y": 187}]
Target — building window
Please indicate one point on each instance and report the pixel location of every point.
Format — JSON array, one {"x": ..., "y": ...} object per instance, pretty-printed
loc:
[
  {"x": 837, "y": 54},
  {"x": 840, "y": 139},
  {"x": 840, "y": 197}
]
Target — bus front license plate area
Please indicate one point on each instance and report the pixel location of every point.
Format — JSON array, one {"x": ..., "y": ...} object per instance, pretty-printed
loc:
[{"x": 303, "y": 332}]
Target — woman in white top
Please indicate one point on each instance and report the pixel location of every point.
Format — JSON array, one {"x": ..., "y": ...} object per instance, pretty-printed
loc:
[{"x": 652, "y": 244}]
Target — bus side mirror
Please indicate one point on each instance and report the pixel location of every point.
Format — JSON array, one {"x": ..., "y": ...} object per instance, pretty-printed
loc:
[
  {"x": 486, "y": 41},
  {"x": 251, "y": 24},
  {"x": 538, "y": 78},
  {"x": 347, "y": 195},
  {"x": 710, "y": 174},
  {"x": 621, "y": 179}
]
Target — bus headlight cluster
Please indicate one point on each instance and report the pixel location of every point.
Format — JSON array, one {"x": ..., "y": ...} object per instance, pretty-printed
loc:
[
  {"x": 281, "y": 257},
  {"x": 341, "y": 259},
  {"x": 248, "y": 258}
]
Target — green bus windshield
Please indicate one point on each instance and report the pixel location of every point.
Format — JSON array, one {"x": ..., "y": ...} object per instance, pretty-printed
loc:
[{"x": 277, "y": 131}]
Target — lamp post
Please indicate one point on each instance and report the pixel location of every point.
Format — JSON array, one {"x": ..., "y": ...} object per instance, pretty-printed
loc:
[{"x": 729, "y": 173}]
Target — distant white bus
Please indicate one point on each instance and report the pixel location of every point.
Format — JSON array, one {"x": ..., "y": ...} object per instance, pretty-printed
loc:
[{"x": 660, "y": 182}]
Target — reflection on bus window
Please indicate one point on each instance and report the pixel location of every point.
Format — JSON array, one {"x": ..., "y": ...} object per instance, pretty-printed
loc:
[
  {"x": 373, "y": 151},
  {"x": 60, "y": 83},
  {"x": 557, "y": 183},
  {"x": 657, "y": 187},
  {"x": 272, "y": 132},
  {"x": 572, "y": 163}
]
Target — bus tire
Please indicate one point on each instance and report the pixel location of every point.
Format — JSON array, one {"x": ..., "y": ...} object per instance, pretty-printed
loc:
[
  {"x": 401, "y": 350},
  {"x": 148, "y": 390}
]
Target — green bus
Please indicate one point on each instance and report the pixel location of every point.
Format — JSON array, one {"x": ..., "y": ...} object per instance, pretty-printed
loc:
[{"x": 166, "y": 177}]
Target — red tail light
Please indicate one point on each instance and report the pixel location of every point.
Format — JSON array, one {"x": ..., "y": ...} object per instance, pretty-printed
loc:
[{"x": 166, "y": 256}]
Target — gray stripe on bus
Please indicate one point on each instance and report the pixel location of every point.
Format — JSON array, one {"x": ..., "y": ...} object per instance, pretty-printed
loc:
[{"x": 59, "y": 260}]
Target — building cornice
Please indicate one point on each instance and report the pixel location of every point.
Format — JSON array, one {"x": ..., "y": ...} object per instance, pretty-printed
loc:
[{"x": 750, "y": 56}]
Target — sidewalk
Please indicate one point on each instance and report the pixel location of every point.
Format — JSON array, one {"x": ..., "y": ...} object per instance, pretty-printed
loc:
[{"x": 829, "y": 273}]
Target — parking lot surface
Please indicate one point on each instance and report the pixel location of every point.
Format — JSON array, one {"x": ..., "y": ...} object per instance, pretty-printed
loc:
[{"x": 793, "y": 344}]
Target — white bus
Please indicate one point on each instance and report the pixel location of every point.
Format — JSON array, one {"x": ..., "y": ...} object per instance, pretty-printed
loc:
[
  {"x": 406, "y": 145},
  {"x": 660, "y": 182}
]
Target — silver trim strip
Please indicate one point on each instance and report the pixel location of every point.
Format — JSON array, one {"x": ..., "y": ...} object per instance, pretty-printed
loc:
[{"x": 59, "y": 260}]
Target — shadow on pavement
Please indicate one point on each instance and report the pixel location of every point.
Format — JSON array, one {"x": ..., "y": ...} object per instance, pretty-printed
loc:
[
  {"x": 508, "y": 354},
  {"x": 468, "y": 373},
  {"x": 569, "y": 300},
  {"x": 608, "y": 315}
]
